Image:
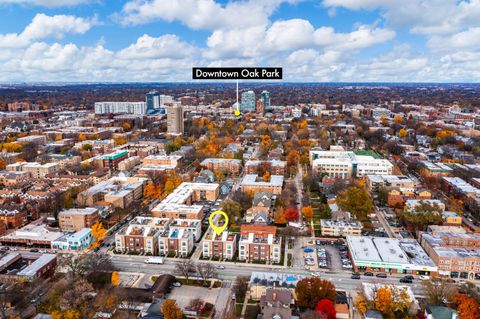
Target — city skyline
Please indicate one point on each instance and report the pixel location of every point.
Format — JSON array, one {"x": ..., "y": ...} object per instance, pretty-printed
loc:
[{"x": 314, "y": 41}]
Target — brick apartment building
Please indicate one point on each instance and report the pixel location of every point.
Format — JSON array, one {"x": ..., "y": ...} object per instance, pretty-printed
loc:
[
  {"x": 111, "y": 160},
  {"x": 457, "y": 255},
  {"x": 259, "y": 243},
  {"x": 275, "y": 167},
  {"x": 223, "y": 246},
  {"x": 13, "y": 218},
  {"x": 76, "y": 219},
  {"x": 226, "y": 165}
]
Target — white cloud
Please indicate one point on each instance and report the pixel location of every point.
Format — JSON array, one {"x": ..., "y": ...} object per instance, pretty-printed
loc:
[
  {"x": 420, "y": 16},
  {"x": 44, "y": 26},
  {"x": 289, "y": 35},
  {"x": 198, "y": 14},
  {"x": 466, "y": 40},
  {"x": 46, "y": 3},
  {"x": 166, "y": 46}
]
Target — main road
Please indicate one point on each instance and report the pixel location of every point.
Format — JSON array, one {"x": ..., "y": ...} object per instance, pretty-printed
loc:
[{"x": 341, "y": 279}]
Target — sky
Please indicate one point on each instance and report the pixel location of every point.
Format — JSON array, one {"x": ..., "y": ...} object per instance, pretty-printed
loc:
[{"x": 313, "y": 40}]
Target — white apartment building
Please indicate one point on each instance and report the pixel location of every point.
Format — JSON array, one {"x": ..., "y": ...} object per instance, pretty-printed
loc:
[
  {"x": 137, "y": 108},
  {"x": 345, "y": 164},
  {"x": 35, "y": 169}
]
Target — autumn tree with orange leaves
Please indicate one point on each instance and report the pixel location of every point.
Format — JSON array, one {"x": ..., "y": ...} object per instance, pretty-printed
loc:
[{"x": 467, "y": 307}]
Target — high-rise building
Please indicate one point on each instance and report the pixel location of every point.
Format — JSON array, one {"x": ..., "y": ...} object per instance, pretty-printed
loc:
[
  {"x": 248, "y": 102},
  {"x": 137, "y": 108},
  {"x": 260, "y": 107},
  {"x": 153, "y": 100},
  {"x": 266, "y": 100},
  {"x": 166, "y": 100},
  {"x": 175, "y": 119}
]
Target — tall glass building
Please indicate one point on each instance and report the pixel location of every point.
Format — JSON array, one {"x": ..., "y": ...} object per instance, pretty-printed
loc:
[
  {"x": 266, "y": 100},
  {"x": 153, "y": 100},
  {"x": 248, "y": 102}
]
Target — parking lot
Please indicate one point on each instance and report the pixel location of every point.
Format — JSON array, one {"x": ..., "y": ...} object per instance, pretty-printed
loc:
[{"x": 185, "y": 294}]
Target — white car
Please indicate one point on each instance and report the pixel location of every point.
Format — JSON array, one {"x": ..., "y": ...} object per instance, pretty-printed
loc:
[
  {"x": 424, "y": 277},
  {"x": 219, "y": 267},
  {"x": 316, "y": 274}
]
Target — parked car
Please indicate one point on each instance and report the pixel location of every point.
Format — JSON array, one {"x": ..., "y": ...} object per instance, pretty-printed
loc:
[
  {"x": 381, "y": 275},
  {"x": 368, "y": 274},
  {"x": 424, "y": 277},
  {"x": 177, "y": 284},
  {"x": 406, "y": 280},
  {"x": 409, "y": 277},
  {"x": 355, "y": 276},
  {"x": 219, "y": 267},
  {"x": 34, "y": 250}
]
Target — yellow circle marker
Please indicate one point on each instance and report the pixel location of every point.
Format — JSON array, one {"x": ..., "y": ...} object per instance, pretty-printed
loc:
[
  {"x": 237, "y": 112},
  {"x": 218, "y": 229}
]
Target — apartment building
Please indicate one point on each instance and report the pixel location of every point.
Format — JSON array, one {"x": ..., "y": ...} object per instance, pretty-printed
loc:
[
  {"x": 221, "y": 247},
  {"x": 112, "y": 160},
  {"x": 137, "y": 108},
  {"x": 76, "y": 219},
  {"x": 259, "y": 243},
  {"x": 129, "y": 163},
  {"x": 179, "y": 204},
  {"x": 376, "y": 182},
  {"x": 412, "y": 204},
  {"x": 159, "y": 236},
  {"x": 275, "y": 167},
  {"x": 397, "y": 198},
  {"x": 225, "y": 165},
  {"x": 340, "y": 228},
  {"x": 36, "y": 170},
  {"x": 153, "y": 163},
  {"x": 346, "y": 164},
  {"x": 252, "y": 184},
  {"x": 457, "y": 255},
  {"x": 120, "y": 191},
  {"x": 175, "y": 123}
]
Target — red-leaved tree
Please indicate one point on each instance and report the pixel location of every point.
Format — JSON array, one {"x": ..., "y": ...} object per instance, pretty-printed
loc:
[
  {"x": 326, "y": 307},
  {"x": 291, "y": 214}
]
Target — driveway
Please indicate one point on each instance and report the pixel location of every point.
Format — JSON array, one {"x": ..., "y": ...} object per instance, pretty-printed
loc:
[{"x": 184, "y": 294}]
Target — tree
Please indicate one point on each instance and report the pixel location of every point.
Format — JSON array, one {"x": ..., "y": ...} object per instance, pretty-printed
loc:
[
  {"x": 467, "y": 307},
  {"x": 206, "y": 271},
  {"x": 98, "y": 233},
  {"x": 361, "y": 302},
  {"x": 240, "y": 287},
  {"x": 422, "y": 215},
  {"x": 126, "y": 127},
  {"x": 357, "y": 201},
  {"x": 326, "y": 307},
  {"x": 266, "y": 177},
  {"x": 185, "y": 267},
  {"x": 439, "y": 291},
  {"x": 170, "y": 310},
  {"x": 402, "y": 133},
  {"x": 307, "y": 212},
  {"x": 311, "y": 290},
  {"x": 2, "y": 164},
  {"x": 81, "y": 137},
  {"x": 115, "y": 279},
  {"x": 233, "y": 210},
  {"x": 291, "y": 214},
  {"x": 383, "y": 300},
  {"x": 292, "y": 158},
  {"x": 87, "y": 147},
  {"x": 392, "y": 302}
]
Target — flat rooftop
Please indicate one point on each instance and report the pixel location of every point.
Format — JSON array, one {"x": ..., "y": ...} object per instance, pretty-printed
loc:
[{"x": 255, "y": 180}]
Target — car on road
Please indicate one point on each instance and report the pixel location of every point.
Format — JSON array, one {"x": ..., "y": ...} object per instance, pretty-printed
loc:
[
  {"x": 381, "y": 275},
  {"x": 368, "y": 274},
  {"x": 409, "y": 277},
  {"x": 43, "y": 251},
  {"x": 177, "y": 284},
  {"x": 355, "y": 276},
  {"x": 316, "y": 274},
  {"x": 34, "y": 250},
  {"x": 424, "y": 277},
  {"x": 219, "y": 267},
  {"x": 406, "y": 280}
]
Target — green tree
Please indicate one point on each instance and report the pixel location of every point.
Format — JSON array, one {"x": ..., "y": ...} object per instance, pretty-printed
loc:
[
  {"x": 357, "y": 201},
  {"x": 233, "y": 209},
  {"x": 422, "y": 215}
]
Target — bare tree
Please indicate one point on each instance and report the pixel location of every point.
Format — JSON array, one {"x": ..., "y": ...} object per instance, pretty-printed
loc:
[
  {"x": 240, "y": 287},
  {"x": 206, "y": 271},
  {"x": 439, "y": 291},
  {"x": 184, "y": 268}
]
